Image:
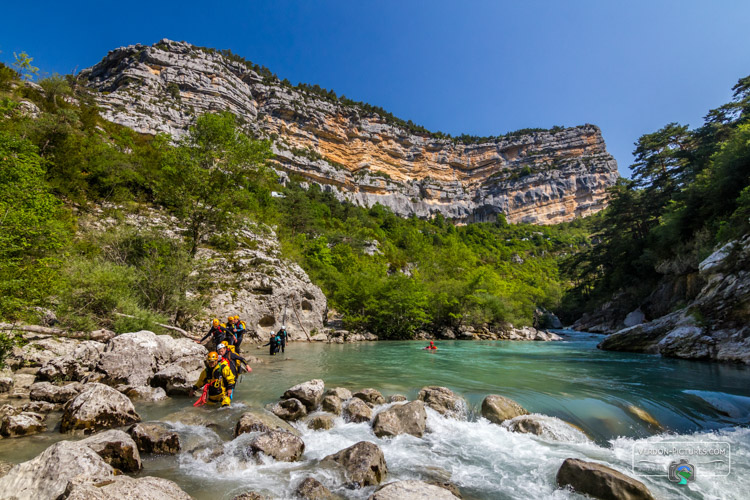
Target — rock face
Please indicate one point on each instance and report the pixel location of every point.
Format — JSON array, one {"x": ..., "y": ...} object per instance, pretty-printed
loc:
[
  {"x": 363, "y": 463},
  {"x": 47, "y": 475},
  {"x": 117, "y": 449},
  {"x": 362, "y": 156},
  {"x": 497, "y": 409},
  {"x": 308, "y": 393},
  {"x": 120, "y": 487},
  {"x": 371, "y": 396},
  {"x": 599, "y": 481},
  {"x": 357, "y": 411},
  {"x": 312, "y": 489},
  {"x": 289, "y": 410},
  {"x": 155, "y": 439},
  {"x": 98, "y": 407},
  {"x": 409, "y": 418},
  {"x": 280, "y": 445},
  {"x": 443, "y": 401},
  {"x": 261, "y": 421},
  {"x": 715, "y": 325},
  {"x": 412, "y": 490}
]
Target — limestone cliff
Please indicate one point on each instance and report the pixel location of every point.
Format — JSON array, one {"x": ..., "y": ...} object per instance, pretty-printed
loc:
[{"x": 361, "y": 155}]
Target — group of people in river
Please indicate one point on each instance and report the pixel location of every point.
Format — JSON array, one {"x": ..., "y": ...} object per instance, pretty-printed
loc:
[{"x": 224, "y": 366}]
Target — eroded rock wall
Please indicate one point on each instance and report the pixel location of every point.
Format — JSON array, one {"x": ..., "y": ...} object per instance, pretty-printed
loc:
[{"x": 540, "y": 177}]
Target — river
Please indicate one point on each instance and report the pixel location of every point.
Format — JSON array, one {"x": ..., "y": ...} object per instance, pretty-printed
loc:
[{"x": 621, "y": 401}]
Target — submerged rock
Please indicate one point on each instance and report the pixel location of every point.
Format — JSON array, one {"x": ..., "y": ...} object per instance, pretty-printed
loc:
[
  {"x": 261, "y": 421},
  {"x": 155, "y": 438},
  {"x": 409, "y": 418},
  {"x": 443, "y": 401},
  {"x": 309, "y": 393},
  {"x": 280, "y": 445},
  {"x": 320, "y": 422},
  {"x": 600, "y": 481},
  {"x": 98, "y": 407},
  {"x": 498, "y": 409},
  {"x": 371, "y": 396},
  {"x": 357, "y": 411},
  {"x": 124, "y": 487},
  {"x": 117, "y": 449},
  {"x": 47, "y": 475},
  {"x": 412, "y": 490},
  {"x": 363, "y": 463},
  {"x": 289, "y": 410},
  {"x": 312, "y": 489}
]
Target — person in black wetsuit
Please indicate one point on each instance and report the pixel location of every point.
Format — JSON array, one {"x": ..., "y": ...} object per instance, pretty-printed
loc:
[
  {"x": 274, "y": 343},
  {"x": 217, "y": 334},
  {"x": 282, "y": 337},
  {"x": 234, "y": 360}
]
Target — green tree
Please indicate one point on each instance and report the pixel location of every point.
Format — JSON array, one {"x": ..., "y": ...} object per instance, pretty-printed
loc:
[{"x": 24, "y": 67}]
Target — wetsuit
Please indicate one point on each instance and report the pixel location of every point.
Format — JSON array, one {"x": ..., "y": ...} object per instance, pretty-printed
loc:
[
  {"x": 220, "y": 380},
  {"x": 217, "y": 334},
  {"x": 240, "y": 332},
  {"x": 274, "y": 343},
  {"x": 235, "y": 361},
  {"x": 282, "y": 337},
  {"x": 231, "y": 336}
]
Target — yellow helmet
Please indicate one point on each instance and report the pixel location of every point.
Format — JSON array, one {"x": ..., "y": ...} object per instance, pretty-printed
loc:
[
  {"x": 230, "y": 318},
  {"x": 236, "y": 318},
  {"x": 215, "y": 322},
  {"x": 212, "y": 356}
]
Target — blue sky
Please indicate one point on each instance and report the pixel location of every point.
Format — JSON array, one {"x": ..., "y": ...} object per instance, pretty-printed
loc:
[{"x": 482, "y": 68}]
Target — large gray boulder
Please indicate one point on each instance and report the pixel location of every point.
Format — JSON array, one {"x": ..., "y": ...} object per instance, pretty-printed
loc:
[
  {"x": 174, "y": 379},
  {"x": 124, "y": 487},
  {"x": 155, "y": 438},
  {"x": 412, "y": 490},
  {"x": 363, "y": 463},
  {"x": 310, "y": 393},
  {"x": 443, "y": 401},
  {"x": 357, "y": 411},
  {"x": 22, "y": 424},
  {"x": 289, "y": 410},
  {"x": 331, "y": 404},
  {"x": 312, "y": 489},
  {"x": 45, "y": 391},
  {"x": 98, "y": 407},
  {"x": 279, "y": 445},
  {"x": 409, "y": 418},
  {"x": 117, "y": 449},
  {"x": 75, "y": 365},
  {"x": 498, "y": 409},
  {"x": 372, "y": 396},
  {"x": 261, "y": 421},
  {"x": 600, "y": 481},
  {"x": 46, "y": 476}
]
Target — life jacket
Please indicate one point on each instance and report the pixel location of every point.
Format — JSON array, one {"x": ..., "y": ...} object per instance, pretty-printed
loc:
[{"x": 215, "y": 378}]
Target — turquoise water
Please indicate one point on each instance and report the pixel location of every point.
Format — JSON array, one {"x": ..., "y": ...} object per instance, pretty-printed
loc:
[{"x": 619, "y": 400}]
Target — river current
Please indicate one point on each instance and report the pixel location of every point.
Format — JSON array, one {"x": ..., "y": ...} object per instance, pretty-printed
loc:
[{"x": 623, "y": 402}]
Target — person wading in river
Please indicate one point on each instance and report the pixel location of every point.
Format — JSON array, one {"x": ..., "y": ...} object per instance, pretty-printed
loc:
[
  {"x": 282, "y": 337},
  {"x": 216, "y": 380},
  {"x": 217, "y": 334},
  {"x": 234, "y": 360}
]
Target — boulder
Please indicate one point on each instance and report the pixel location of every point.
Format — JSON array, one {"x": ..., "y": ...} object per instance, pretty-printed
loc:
[
  {"x": 174, "y": 379},
  {"x": 497, "y": 409},
  {"x": 443, "y": 401},
  {"x": 600, "y": 481},
  {"x": 192, "y": 416},
  {"x": 340, "y": 392},
  {"x": 155, "y": 438},
  {"x": 289, "y": 410},
  {"x": 363, "y": 463},
  {"x": 5, "y": 467},
  {"x": 310, "y": 393},
  {"x": 396, "y": 398},
  {"x": 124, "y": 487},
  {"x": 312, "y": 489},
  {"x": 250, "y": 495},
  {"x": 262, "y": 421},
  {"x": 22, "y": 424},
  {"x": 357, "y": 411},
  {"x": 146, "y": 394},
  {"x": 75, "y": 365},
  {"x": 117, "y": 449},
  {"x": 412, "y": 490},
  {"x": 320, "y": 422},
  {"x": 47, "y": 475},
  {"x": 97, "y": 407},
  {"x": 371, "y": 396},
  {"x": 409, "y": 418},
  {"x": 6, "y": 384},
  {"x": 282, "y": 446},
  {"x": 547, "y": 427},
  {"x": 41, "y": 407},
  {"x": 331, "y": 404},
  {"x": 45, "y": 391}
]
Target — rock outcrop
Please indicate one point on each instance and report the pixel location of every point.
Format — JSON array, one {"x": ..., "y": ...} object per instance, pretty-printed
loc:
[
  {"x": 443, "y": 401},
  {"x": 498, "y": 409},
  {"x": 22, "y": 424},
  {"x": 714, "y": 326},
  {"x": 371, "y": 396},
  {"x": 362, "y": 156},
  {"x": 97, "y": 407},
  {"x": 309, "y": 393},
  {"x": 117, "y": 449},
  {"x": 261, "y": 421},
  {"x": 409, "y": 418},
  {"x": 280, "y": 445},
  {"x": 357, "y": 411},
  {"x": 290, "y": 410},
  {"x": 155, "y": 439},
  {"x": 363, "y": 463}
]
